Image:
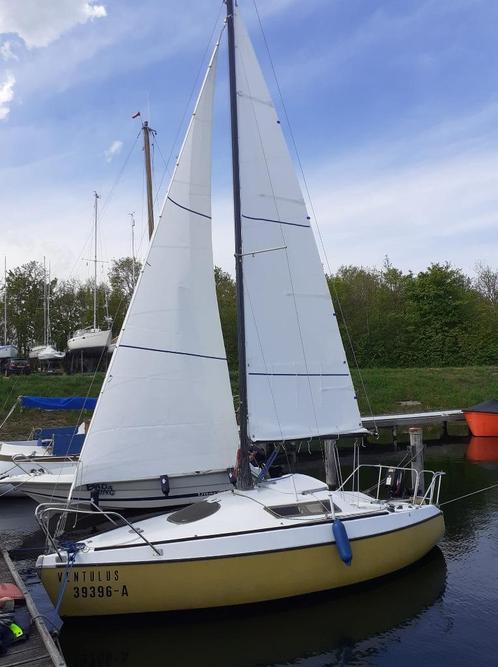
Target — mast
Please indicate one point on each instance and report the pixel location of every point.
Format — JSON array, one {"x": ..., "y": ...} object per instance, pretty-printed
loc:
[
  {"x": 244, "y": 479},
  {"x": 146, "y": 130},
  {"x": 48, "y": 308},
  {"x": 97, "y": 197},
  {"x": 44, "y": 302},
  {"x": 5, "y": 301},
  {"x": 132, "y": 216},
  {"x": 148, "y": 173}
]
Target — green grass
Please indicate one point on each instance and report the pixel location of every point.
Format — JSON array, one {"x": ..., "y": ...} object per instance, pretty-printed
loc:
[
  {"x": 387, "y": 389},
  {"x": 21, "y": 423},
  {"x": 433, "y": 388}
]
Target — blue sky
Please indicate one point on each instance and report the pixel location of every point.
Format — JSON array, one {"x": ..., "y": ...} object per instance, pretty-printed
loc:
[{"x": 393, "y": 104}]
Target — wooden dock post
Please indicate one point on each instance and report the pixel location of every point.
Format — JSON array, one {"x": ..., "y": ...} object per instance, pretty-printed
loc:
[
  {"x": 331, "y": 473},
  {"x": 417, "y": 458}
]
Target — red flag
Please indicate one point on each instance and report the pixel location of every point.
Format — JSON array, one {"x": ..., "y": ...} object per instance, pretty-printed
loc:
[{"x": 136, "y": 115}]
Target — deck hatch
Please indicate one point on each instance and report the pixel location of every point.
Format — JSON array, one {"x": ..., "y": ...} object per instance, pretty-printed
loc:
[
  {"x": 194, "y": 512},
  {"x": 311, "y": 508}
]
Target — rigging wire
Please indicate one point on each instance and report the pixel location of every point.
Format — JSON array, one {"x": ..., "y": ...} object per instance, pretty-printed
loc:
[
  {"x": 473, "y": 493},
  {"x": 188, "y": 104},
  {"x": 315, "y": 218}
]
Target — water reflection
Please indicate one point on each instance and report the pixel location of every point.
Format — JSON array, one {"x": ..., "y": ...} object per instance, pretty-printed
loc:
[
  {"x": 482, "y": 449},
  {"x": 286, "y": 632}
]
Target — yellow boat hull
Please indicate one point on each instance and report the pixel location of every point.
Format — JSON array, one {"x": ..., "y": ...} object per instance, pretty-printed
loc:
[{"x": 120, "y": 588}]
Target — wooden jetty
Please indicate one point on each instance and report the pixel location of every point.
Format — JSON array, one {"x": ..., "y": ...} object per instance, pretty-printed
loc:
[
  {"x": 39, "y": 650},
  {"x": 394, "y": 422}
]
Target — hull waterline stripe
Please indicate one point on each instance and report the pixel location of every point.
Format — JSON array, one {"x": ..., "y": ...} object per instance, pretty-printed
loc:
[
  {"x": 110, "y": 499},
  {"x": 277, "y": 222},
  {"x": 329, "y": 543},
  {"x": 306, "y": 375},
  {"x": 203, "y": 215},
  {"x": 184, "y": 354}
]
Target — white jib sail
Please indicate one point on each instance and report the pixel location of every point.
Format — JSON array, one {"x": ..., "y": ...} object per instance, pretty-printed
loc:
[
  {"x": 298, "y": 380},
  {"x": 166, "y": 405}
]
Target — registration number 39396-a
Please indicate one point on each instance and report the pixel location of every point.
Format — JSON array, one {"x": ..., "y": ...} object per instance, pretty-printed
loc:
[{"x": 99, "y": 591}]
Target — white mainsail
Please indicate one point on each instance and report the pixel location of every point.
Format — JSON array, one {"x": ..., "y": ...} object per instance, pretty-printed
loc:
[
  {"x": 298, "y": 380},
  {"x": 166, "y": 405}
]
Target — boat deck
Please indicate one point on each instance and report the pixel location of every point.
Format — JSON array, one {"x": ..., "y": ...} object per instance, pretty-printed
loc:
[{"x": 40, "y": 649}]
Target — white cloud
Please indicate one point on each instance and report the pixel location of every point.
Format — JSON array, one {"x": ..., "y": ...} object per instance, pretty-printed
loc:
[
  {"x": 40, "y": 23},
  {"x": 6, "y": 52},
  {"x": 113, "y": 150},
  {"x": 441, "y": 208},
  {"x": 6, "y": 94}
]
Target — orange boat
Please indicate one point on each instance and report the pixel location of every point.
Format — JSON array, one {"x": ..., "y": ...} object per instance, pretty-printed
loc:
[
  {"x": 482, "y": 419},
  {"x": 482, "y": 449}
]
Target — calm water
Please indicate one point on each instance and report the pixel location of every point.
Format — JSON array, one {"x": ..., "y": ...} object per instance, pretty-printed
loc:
[{"x": 443, "y": 610}]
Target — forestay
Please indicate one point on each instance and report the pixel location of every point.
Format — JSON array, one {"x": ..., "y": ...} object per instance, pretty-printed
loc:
[
  {"x": 298, "y": 380},
  {"x": 166, "y": 405}
]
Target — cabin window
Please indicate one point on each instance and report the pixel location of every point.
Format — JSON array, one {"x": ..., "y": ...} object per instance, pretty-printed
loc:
[
  {"x": 194, "y": 512},
  {"x": 302, "y": 509}
]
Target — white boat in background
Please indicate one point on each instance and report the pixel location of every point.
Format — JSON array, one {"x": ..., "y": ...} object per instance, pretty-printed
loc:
[
  {"x": 275, "y": 538},
  {"x": 89, "y": 338},
  {"x": 46, "y": 352},
  {"x": 8, "y": 352},
  {"x": 49, "y": 448},
  {"x": 49, "y": 353},
  {"x": 92, "y": 338},
  {"x": 35, "y": 351}
]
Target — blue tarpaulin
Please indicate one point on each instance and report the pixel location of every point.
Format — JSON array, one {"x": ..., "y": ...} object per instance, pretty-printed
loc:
[
  {"x": 67, "y": 445},
  {"x": 50, "y": 431},
  {"x": 51, "y": 403}
]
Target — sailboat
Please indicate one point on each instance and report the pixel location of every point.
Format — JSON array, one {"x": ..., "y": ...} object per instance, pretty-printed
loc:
[
  {"x": 275, "y": 538},
  {"x": 49, "y": 352},
  {"x": 46, "y": 352},
  {"x": 7, "y": 351},
  {"x": 91, "y": 338}
]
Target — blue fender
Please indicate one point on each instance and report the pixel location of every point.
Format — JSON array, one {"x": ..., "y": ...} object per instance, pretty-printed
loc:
[{"x": 342, "y": 542}]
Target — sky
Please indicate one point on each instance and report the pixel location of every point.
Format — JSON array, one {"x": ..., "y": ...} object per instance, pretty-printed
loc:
[{"x": 393, "y": 106}]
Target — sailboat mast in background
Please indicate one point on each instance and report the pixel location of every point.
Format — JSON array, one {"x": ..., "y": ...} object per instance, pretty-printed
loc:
[
  {"x": 5, "y": 301},
  {"x": 147, "y": 131},
  {"x": 45, "y": 342},
  {"x": 132, "y": 216},
  {"x": 97, "y": 197},
  {"x": 148, "y": 172},
  {"x": 92, "y": 340},
  {"x": 244, "y": 478}
]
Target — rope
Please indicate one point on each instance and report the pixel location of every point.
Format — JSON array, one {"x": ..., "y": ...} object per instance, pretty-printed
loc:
[
  {"x": 473, "y": 493},
  {"x": 8, "y": 415},
  {"x": 71, "y": 549},
  {"x": 268, "y": 464}
]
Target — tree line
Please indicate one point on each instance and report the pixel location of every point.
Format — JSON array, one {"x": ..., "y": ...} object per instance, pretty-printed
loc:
[
  {"x": 70, "y": 303},
  {"x": 387, "y": 317},
  {"x": 390, "y": 318}
]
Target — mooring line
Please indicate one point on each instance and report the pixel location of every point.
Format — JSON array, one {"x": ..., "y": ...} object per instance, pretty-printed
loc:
[{"x": 487, "y": 488}]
